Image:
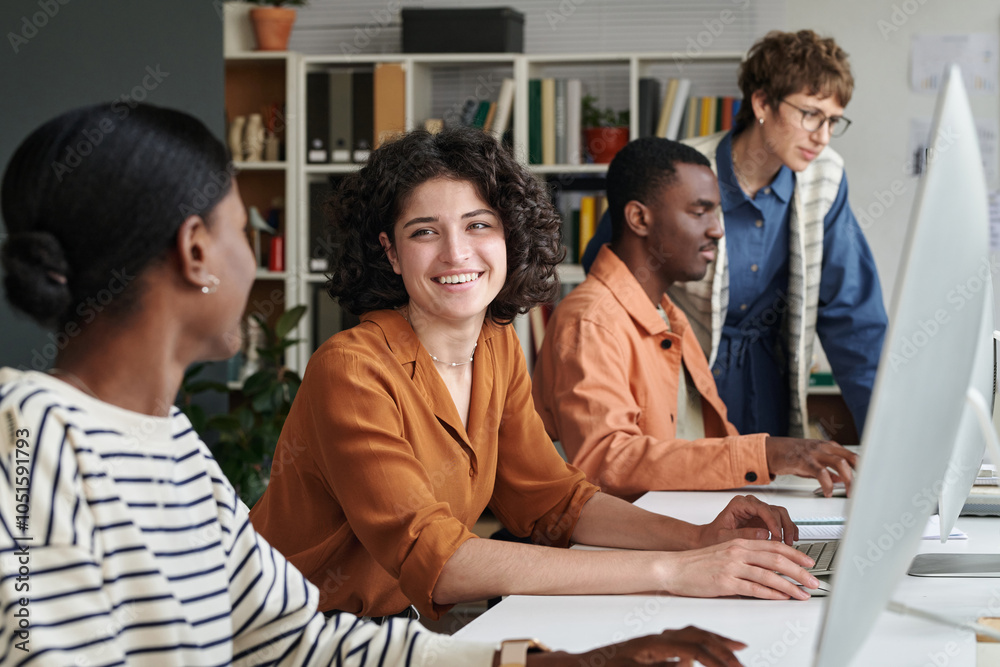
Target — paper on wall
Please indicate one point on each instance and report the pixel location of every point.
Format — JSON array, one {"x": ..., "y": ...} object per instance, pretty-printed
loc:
[{"x": 975, "y": 53}]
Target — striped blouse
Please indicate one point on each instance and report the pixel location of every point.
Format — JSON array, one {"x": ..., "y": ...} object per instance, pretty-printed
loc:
[{"x": 121, "y": 542}]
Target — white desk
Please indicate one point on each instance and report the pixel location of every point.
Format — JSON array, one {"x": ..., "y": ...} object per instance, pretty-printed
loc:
[{"x": 778, "y": 633}]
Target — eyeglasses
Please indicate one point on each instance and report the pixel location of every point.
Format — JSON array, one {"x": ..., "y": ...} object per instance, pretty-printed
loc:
[{"x": 812, "y": 121}]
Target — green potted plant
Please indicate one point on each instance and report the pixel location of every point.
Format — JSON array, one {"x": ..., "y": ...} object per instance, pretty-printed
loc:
[
  {"x": 272, "y": 23},
  {"x": 248, "y": 433},
  {"x": 605, "y": 131}
]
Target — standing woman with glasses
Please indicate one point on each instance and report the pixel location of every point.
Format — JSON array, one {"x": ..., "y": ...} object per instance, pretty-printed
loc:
[{"x": 794, "y": 262}]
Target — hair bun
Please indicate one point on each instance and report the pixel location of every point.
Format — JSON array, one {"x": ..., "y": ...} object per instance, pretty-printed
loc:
[{"x": 37, "y": 280}]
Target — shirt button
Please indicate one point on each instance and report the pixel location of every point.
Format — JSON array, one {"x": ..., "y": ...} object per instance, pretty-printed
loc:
[
  {"x": 665, "y": 343},
  {"x": 750, "y": 477},
  {"x": 759, "y": 223},
  {"x": 716, "y": 372},
  {"x": 753, "y": 267},
  {"x": 743, "y": 306},
  {"x": 767, "y": 191}
]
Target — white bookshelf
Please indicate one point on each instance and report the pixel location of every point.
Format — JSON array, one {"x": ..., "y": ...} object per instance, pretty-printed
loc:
[
  {"x": 253, "y": 79},
  {"x": 435, "y": 82}
]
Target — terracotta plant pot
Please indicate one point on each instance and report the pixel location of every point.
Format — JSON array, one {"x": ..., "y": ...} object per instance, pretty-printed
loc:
[
  {"x": 272, "y": 26},
  {"x": 604, "y": 142}
]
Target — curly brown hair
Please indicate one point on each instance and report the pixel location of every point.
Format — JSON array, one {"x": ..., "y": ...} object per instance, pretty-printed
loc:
[
  {"x": 784, "y": 63},
  {"x": 370, "y": 201}
]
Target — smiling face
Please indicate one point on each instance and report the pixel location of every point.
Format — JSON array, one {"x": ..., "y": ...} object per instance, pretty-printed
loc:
[
  {"x": 683, "y": 229},
  {"x": 783, "y": 134},
  {"x": 449, "y": 249}
]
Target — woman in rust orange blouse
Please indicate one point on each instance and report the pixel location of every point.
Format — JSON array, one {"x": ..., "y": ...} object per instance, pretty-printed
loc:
[{"x": 407, "y": 426}]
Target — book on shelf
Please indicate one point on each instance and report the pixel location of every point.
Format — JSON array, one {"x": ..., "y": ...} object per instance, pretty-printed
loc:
[
  {"x": 666, "y": 106},
  {"x": 389, "y": 102},
  {"x": 505, "y": 105},
  {"x": 649, "y": 106},
  {"x": 707, "y": 124},
  {"x": 677, "y": 109},
  {"x": 362, "y": 113},
  {"x": 574, "y": 102},
  {"x": 692, "y": 121},
  {"x": 317, "y": 117},
  {"x": 535, "y": 121},
  {"x": 555, "y": 121},
  {"x": 548, "y": 121},
  {"x": 588, "y": 222},
  {"x": 559, "y": 114},
  {"x": 727, "y": 113},
  {"x": 490, "y": 116},
  {"x": 482, "y": 111},
  {"x": 340, "y": 115}
]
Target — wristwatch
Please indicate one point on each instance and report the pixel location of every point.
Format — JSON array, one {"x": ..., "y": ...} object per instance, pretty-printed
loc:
[{"x": 514, "y": 652}]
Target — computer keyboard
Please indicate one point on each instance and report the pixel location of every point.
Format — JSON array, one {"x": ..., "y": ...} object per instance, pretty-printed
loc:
[{"x": 821, "y": 552}]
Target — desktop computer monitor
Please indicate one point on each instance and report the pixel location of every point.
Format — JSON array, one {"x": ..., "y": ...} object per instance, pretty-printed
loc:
[
  {"x": 971, "y": 441},
  {"x": 920, "y": 387}
]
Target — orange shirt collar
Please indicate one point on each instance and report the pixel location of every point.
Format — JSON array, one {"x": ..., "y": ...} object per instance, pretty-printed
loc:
[{"x": 625, "y": 287}]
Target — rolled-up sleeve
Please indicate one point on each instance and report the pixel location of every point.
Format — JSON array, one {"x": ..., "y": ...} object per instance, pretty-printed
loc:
[{"x": 585, "y": 388}]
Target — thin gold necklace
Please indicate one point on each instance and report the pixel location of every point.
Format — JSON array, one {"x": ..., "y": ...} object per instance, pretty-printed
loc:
[
  {"x": 457, "y": 363},
  {"x": 404, "y": 311}
]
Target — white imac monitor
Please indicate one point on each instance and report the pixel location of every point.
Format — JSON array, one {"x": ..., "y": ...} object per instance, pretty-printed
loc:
[
  {"x": 971, "y": 442},
  {"x": 920, "y": 387}
]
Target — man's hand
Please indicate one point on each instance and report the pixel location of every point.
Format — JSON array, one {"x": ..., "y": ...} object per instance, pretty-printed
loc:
[
  {"x": 812, "y": 458},
  {"x": 748, "y": 518},
  {"x": 676, "y": 647}
]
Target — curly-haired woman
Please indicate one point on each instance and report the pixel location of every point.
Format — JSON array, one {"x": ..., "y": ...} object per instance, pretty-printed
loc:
[{"x": 409, "y": 425}]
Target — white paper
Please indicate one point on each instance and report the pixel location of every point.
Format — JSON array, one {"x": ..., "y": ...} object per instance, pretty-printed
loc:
[
  {"x": 835, "y": 531},
  {"x": 920, "y": 141},
  {"x": 975, "y": 53}
]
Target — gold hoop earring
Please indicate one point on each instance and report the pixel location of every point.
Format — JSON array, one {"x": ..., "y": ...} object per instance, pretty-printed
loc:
[{"x": 210, "y": 289}]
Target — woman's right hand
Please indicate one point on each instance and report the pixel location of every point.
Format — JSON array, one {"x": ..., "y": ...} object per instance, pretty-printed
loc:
[
  {"x": 678, "y": 647},
  {"x": 751, "y": 568}
]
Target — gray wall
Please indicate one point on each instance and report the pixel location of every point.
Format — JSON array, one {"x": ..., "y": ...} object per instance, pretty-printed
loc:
[
  {"x": 877, "y": 34},
  {"x": 60, "y": 54}
]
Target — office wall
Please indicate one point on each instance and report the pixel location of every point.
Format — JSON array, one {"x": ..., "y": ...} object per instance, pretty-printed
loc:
[
  {"x": 59, "y": 54},
  {"x": 551, "y": 26},
  {"x": 877, "y": 35}
]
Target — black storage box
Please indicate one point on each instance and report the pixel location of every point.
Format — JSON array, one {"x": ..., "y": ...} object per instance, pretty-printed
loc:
[{"x": 485, "y": 30}]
